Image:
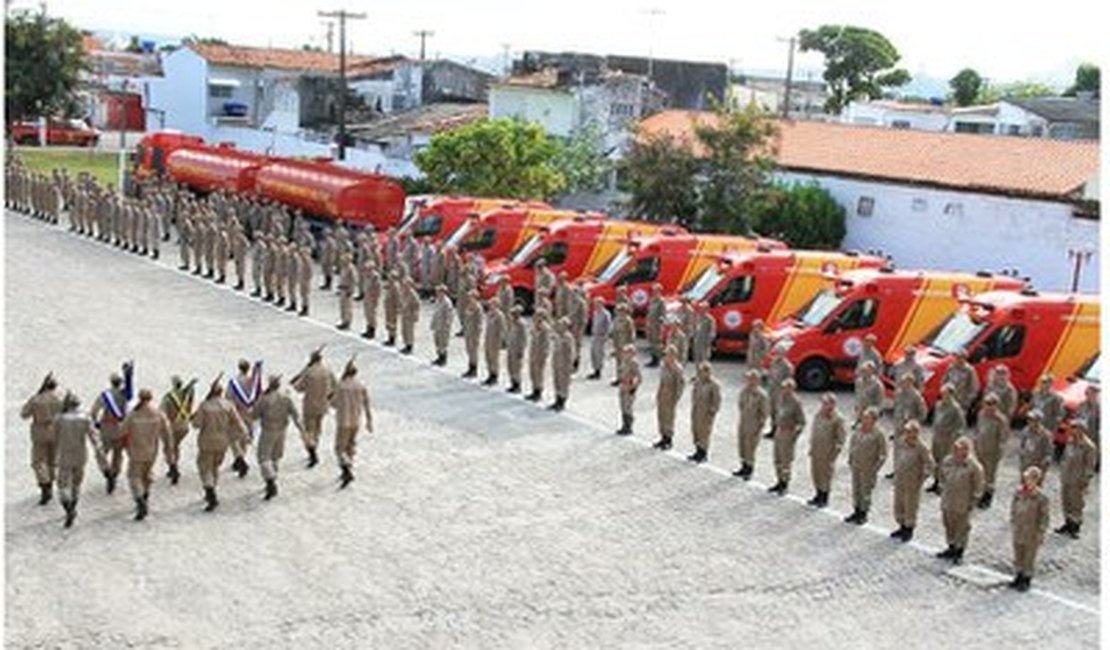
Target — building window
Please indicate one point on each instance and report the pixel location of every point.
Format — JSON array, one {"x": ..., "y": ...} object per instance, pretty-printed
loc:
[
  {"x": 865, "y": 206},
  {"x": 220, "y": 91},
  {"x": 1037, "y": 131},
  {"x": 900, "y": 124},
  {"x": 919, "y": 205},
  {"x": 621, "y": 109},
  {"x": 953, "y": 208}
]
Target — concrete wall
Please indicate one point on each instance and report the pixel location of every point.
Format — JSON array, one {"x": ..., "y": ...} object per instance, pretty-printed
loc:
[
  {"x": 934, "y": 228},
  {"x": 877, "y": 115},
  {"x": 398, "y": 90},
  {"x": 553, "y": 109},
  {"x": 295, "y": 144},
  {"x": 181, "y": 93}
]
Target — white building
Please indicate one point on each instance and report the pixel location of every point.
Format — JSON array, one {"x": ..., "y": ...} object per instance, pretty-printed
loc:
[
  {"x": 896, "y": 115},
  {"x": 1058, "y": 118},
  {"x": 388, "y": 85},
  {"x": 947, "y": 200}
]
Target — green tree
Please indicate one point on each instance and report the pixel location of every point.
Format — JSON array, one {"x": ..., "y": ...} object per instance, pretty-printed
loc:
[
  {"x": 658, "y": 174},
  {"x": 802, "y": 215},
  {"x": 736, "y": 167},
  {"x": 43, "y": 57},
  {"x": 1018, "y": 89},
  {"x": 859, "y": 62},
  {"x": 582, "y": 162},
  {"x": 966, "y": 86},
  {"x": 502, "y": 157},
  {"x": 1087, "y": 79}
]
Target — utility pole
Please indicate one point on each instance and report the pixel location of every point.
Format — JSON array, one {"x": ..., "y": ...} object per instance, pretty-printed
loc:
[
  {"x": 423, "y": 34},
  {"x": 652, "y": 13},
  {"x": 787, "y": 88},
  {"x": 330, "y": 36},
  {"x": 343, "y": 15}
]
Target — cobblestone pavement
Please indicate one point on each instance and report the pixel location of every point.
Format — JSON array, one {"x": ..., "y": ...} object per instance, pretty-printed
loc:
[{"x": 477, "y": 519}]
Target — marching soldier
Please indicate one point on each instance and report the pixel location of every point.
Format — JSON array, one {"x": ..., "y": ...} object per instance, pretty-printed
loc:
[
  {"x": 1029, "y": 513},
  {"x": 961, "y": 484},
  {"x": 866, "y": 456},
  {"x": 316, "y": 382},
  {"x": 1034, "y": 444},
  {"x": 705, "y": 333},
  {"x": 346, "y": 291},
  {"x": 494, "y": 341},
  {"x": 623, "y": 333},
  {"x": 538, "y": 348},
  {"x": 442, "y": 317},
  {"x": 705, "y": 402},
  {"x": 562, "y": 362},
  {"x": 392, "y": 306},
  {"x": 790, "y": 420},
  {"x": 1076, "y": 471},
  {"x": 601, "y": 325},
  {"x": 630, "y": 379},
  {"x": 143, "y": 429},
  {"x": 351, "y": 402},
  {"x": 107, "y": 414},
  {"x": 41, "y": 409},
  {"x": 827, "y": 436},
  {"x": 964, "y": 380},
  {"x": 73, "y": 433},
  {"x": 948, "y": 425},
  {"x": 913, "y": 464},
  {"x": 274, "y": 411},
  {"x": 990, "y": 437},
  {"x": 410, "y": 313},
  {"x": 243, "y": 391},
  {"x": 755, "y": 410},
  {"x": 518, "y": 342},
  {"x": 177, "y": 406},
  {"x": 217, "y": 424},
  {"x": 472, "y": 331},
  {"x": 672, "y": 382},
  {"x": 371, "y": 295}
]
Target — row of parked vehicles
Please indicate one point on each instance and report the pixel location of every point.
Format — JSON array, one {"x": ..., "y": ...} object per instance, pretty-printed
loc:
[{"x": 819, "y": 305}]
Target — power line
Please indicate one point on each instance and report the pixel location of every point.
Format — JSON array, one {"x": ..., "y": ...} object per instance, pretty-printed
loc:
[{"x": 343, "y": 15}]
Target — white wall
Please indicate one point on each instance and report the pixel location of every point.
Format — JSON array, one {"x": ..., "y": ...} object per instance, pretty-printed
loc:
[
  {"x": 553, "y": 109},
  {"x": 873, "y": 114},
  {"x": 283, "y": 143},
  {"x": 405, "y": 80},
  {"x": 181, "y": 92},
  {"x": 985, "y": 232}
]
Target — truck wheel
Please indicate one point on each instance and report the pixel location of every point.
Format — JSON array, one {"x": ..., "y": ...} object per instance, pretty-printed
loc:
[
  {"x": 813, "y": 374},
  {"x": 524, "y": 298}
]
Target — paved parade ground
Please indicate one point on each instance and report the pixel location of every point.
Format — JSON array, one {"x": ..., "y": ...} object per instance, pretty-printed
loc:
[{"x": 476, "y": 519}]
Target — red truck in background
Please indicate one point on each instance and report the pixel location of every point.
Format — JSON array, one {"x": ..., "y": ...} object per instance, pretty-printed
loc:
[{"x": 74, "y": 133}]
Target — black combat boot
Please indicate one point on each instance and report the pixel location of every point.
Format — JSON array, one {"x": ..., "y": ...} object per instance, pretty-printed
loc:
[
  {"x": 210, "y": 273},
  {"x": 154, "y": 255},
  {"x": 280, "y": 301},
  {"x": 441, "y": 359},
  {"x": 312, "y": 459},
  {"x": 1026, "y": 582},
  {"x": 368, "y": 333},
  {"x": 183, "y": 267},
  {"x": 514, "y": 388},
  {"x": 257, "y": 293},
  {"x": 661, "y": 443},
  {"x": 240, "y": 466},
  {"x": 111, "y": 479},
  {"x": 210, "y": 499},
  {"x": 239, "y": 285},
  {"x": 1016, "y": 582},
  {"x": 557, "y": 405},
  {"x": 269, "y": 297},
  {"x": 345, "y": 477},
  {"x": 593, "y": 376},
  {"x": 615, "y": 382},
  {"x": 471, "y": 371},
  {"x": 71, "y": 512},
  {"x": 907, "y": 533},
  {"x": 196, "y": 271},
  {"x": 390, "y": 341},
  {"x": 271, "y": 489},
  {"x": 173, "y": 474},
  {"x": 491, "y": 380},
  {"x": 654, "y": 363},
  {"x": 699, "y": 455},
  {"x": 985, "y": 500},
  {"x": 934, "y": 488},
  {"x": 47, "y": 490},
  {"x": 304, "y": 311},
  {"x": 626, "y": 426},
  {"x": 958, "y": 555},
  {"x": 535, "y": 396},
  {"x": 140, "y": 509},
  {"x": 291, "y": 307},
  {"x": 408, "y": 350},
  {"x": 897, "y": 534},
  {"x": 221, "y": 280},
  {"x": 816, "y": 500},
  {"x": 947, "y": 554},
  {"x": 343, "y": 326},
  {"x": 778, "y": 488}
]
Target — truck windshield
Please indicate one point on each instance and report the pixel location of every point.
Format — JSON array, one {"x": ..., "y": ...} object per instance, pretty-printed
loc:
[
  {"x": 819, "y": 308},
  {"x": 615, "y": 266},
  {"x": 479, "y": 241},
  {"x": 700, "y": 288},
  {"x": 427, "y": 225},
  {"x": 526, "y": 249},
  {"x": 955, "y": 334},
  {"x": 460, "y": 233},
  {"x": 1092, "y": 373}
]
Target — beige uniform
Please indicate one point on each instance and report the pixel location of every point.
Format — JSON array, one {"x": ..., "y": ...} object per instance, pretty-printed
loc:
[
  {"x": 562, "y": 363},
  {"x": 1035, "y": 448},
  {"x": 410, "y": 313},
  {"x": 1007, "y": 396},
  {"x": 672, "y": 383},
  {"x": 780, "y": 370},
  {"x": 143, "y": 429},
  {"x": 472, "y": 331},
  {"x": 274, "y": 411},
  {"x": 304, "y": 269},
  {"x": 962, "y": 486},
  {"x": 653, "y": 325},
  {"x": 1076, "y": 470},
  {"x": 705, "y": 402},
  {"x": 371, "y": 296},
  {"x": 990, "y": 437},
  {"x": 538, "y": 349},
  {"x": 869, "y": 394},
  {"x": 217, "y": 425},
  {"x": 681, "y": 343},
  {"x": 790, "y": 420},
  {"x": 913, "y": 464},
  {"x": 346, "y": 287},
  {"x": 630, "y": 378},
  {"x": 866, "y": 455},
  {"x": 73, "y": 434},
  {"x": 41, "y": 410},
  {"x": 111, "y": 443},
  {"x": 1029, "y": 513},
  {"x": 177, "y": 407},
  {"x": 442, "y": 317},
  {"x": 392, "y": 306},
  {"x": 705, "y": 333},
  {"x": 965, "y": 383},
  {"x": 755, "y": 410},
  {"x": 351, "y": 402},
  {"x": 948, "y": 425},
  {"x": 316, "y": 384},
  {"x": 758, "y": 347},
  {"x": 827, "y": 435},
  {"x": 517, "y": 345},
  {"x": 495, "y": 339}
]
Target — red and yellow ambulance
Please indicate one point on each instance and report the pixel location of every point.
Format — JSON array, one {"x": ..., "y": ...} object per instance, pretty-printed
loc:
[
  {"x": 495, "y": 234},
  {"x": 439, "y": 217}
]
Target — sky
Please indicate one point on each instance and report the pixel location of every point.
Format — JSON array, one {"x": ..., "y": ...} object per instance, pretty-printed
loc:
[{"x": 1004, "y": 42}]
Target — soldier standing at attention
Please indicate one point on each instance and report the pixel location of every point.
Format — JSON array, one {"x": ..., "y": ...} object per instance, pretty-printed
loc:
[
  {"x": 410, "y": 313},
  {"x": 948, "y": 425},
  {"x": 1034, "y": 444},
  {"x": 351, "y": 402},
  {"x": 392, "y": 305},
  {"x": 538, "y": 349},
  {"x": 73, "y": 433},
  {"x": 909, "y": 365},
  {"x": 107, "y": 414},
  {"x": 964, "y": 380},
  {"x": 41, "y": 409},
  {"x": 371, "y": 295},
  {"x": 328, "y": 257},
  {"x": 624, "y": 333},
  {"x": 562, "y": 360},
  {"x": 223, "y": 246},
  {"x": 656, "y": 311},
  {"x": 346, "y": 291},
  {"x": 991, "y": 432},
  {"x": 1051, "y": 406},
  {"x": 217, "y": 424},
  {"x": 826, "y": 438},
  {"x": 494, "y": 341},
  {"x": 781, "y": 369},
  {"x": 177, "y": 406},
  {"x": 630, "y": 381},
  {"x": 672, "y": 382},
  {"x": 292, "y": 257},
  {"x": 680, "y": 342},
  {"x": 505, "y": 294},
  {"x": 705, "y": 402},
  {"x": 790, "y": 420},
  {"x": 142, "y": 430},
  {"x": 705, "y": 333},
  {"x": 961, "y": 484},
  {"x": 579, "y": 317},
  {"x": 758, "y": 346},
  {"x": 866, "y": 455},
  {"x": 1076, "y": 471},
  {"x": 998, "y": 382},
  {"x": 1028, "y": 523},
  {"x": 869, "y": 353},
  {"x": 868, "y": 390},
  {"x": 258, "y": 257},
  {"x": 601, "y": 324},
  {"x": 755, "y": 410},
  {"x": 316, "y": 382},
  {"x": 914, "y": 463},
  {"x": 518, "y": 342},
  {"x": 304, "y": 269},
  {"x": 239, "y": 247},
  {"x": 274, "y": 411},
  {"x": 472, "y": 332},
  {"x": 442, "y": 317}
]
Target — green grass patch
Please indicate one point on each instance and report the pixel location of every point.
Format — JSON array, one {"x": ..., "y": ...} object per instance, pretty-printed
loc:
[{"x": 104, "y": 166}]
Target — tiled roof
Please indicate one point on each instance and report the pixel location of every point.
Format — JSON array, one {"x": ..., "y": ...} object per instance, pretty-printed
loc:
[
  {"x": 281, "y": 59},
  {"x": 545, "y": 78},
  {"x": 1033, "y": 167},
  {"x": 433, "y": 118}
]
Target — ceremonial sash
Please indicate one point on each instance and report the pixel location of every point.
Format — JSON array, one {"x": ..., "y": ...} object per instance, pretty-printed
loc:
[
  {"x": 182, "y": 404},
  {"x": 118, "y": 411},
  {"x": 246, "y": 395}
]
